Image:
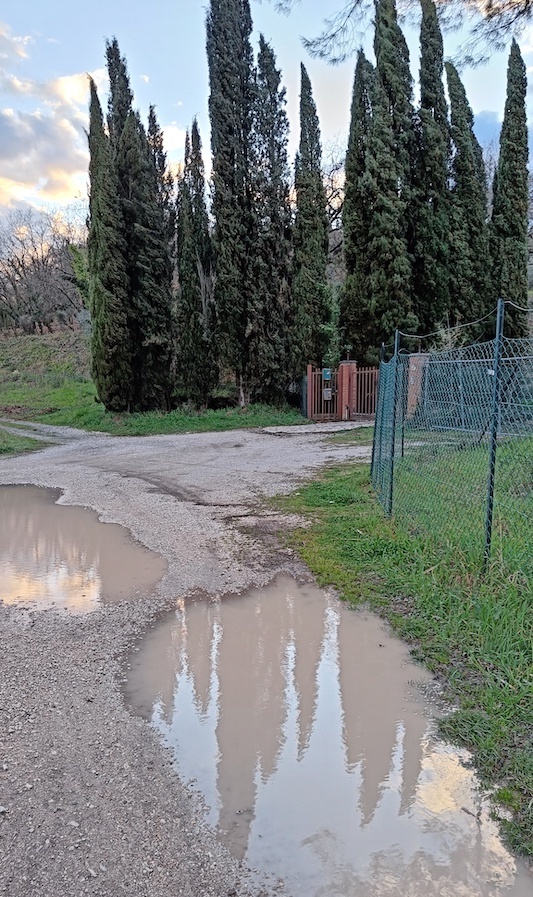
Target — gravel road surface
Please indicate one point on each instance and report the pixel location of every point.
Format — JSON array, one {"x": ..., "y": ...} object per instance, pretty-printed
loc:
[{"x": 89, "y": 802}]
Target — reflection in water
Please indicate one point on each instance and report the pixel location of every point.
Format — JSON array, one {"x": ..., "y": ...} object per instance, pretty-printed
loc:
[
  {"x": 297, "y": 720},
  {"x": 56, "y": 555}
]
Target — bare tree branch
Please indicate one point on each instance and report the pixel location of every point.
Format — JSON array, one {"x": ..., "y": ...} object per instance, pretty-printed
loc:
[{"x": 490, "y": 23}]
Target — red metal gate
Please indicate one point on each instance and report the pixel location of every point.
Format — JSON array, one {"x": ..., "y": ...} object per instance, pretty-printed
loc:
[{"x": 348, "y": 393}]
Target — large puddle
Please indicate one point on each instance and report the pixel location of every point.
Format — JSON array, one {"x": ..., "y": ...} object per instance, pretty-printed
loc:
[
  {"x": 61, "y": 556},
  {"x": 304, "y": 727}
]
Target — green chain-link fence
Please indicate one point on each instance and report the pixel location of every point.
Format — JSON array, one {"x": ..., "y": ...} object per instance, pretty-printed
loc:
[{"x": 453, "y": 448}]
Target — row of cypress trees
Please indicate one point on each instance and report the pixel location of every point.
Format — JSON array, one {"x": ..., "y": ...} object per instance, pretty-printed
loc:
[
  {"x": 179, "y": 300},
  {"x": 271, "y": 296},
  {"x": 420, "y": 248},
  {"x": 251, "y": 298}
]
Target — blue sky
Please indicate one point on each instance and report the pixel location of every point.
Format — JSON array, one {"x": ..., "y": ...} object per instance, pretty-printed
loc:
[{"x": 47, "y": 49}]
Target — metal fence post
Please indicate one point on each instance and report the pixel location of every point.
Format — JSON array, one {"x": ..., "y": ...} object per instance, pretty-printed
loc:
[
  {"x": 393, "y": 439},
  {"x": 493, "y": 433}
]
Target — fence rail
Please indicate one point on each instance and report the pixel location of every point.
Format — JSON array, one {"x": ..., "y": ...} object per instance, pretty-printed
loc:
[{"x": 453, "y": 448}]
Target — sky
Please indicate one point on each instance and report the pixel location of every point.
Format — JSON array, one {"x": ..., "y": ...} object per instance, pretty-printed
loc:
[{"x": 48, "y": 48}]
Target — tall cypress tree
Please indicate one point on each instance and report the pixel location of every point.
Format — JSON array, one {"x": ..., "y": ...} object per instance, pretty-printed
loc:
[
  {"x": 164, "y": 179},
  {"x": 431, "y": 232},
  {"x": 196, "y": 365},
  {"x": 470, "y": 294},
  {"x": 389, "y": 263},
  {"x": 146, "y": 232},
  {"x": 142, "y": 248},
  {"x": 388, "y": 184},
  {"x": 273, "y": 215},
  {"x": 231, "y": 109},
  {"x": 311, "y": 302},
  {"x": 508, "y": 227},
  {"x": 355, "y": 311},
  {"x": 120, "y": 98},
  {"x": 108, "y": 278}
]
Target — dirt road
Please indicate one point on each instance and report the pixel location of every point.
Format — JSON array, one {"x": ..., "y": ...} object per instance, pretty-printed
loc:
[{"x": 89, "y": 803}]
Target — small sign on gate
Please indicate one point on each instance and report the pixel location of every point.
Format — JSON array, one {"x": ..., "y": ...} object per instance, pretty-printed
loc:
[
  {"x": 327, "y": 394},
  {"x": 326, "y": 374}
]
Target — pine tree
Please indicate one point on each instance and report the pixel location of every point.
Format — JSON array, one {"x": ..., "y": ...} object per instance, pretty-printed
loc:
[
  {"x": 355, "y": 312},
  {"x": 470, "y": 296},
  {"x": 197, "y": 369},
  {"x": 508, "y": 227},
  {"x": 231, "y": 109},
  {"x": 311, "y": 302},
  {"x": 108, "y": 279},
  {"x": 269, "y": 362},
  {"x": 431, "y": 232}
]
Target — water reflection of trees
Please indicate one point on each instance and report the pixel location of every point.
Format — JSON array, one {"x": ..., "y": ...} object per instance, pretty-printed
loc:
[
  {"x": 264, "y": 641},
  {"x": 290, "y": 712}
]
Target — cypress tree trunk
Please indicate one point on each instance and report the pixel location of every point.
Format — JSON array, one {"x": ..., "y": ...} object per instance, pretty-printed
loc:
[
  {"x": 356, "y": 311},
  {"x": 508, "y": 227},
  {"x": 311, "y": 301}
]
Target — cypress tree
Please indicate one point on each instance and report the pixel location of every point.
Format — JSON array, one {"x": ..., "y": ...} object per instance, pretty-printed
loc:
[
  {"x": 197, "y": 369},
  {"x": 231, "y": 109},
  {"x": 120, "y": 95},
  {"x": 146, "y": 233},
  {"x": 470, "y": 295},
  {"x": 508, "y": 227},
  {"x": 389, "y": 264},
  {"x": 355, "y": 312},
  {"x": 311, "y": 301},
  {"x": 392, "y": 64},
  {"x": 108, "y": 278},
  {"x": 164, "y": 179},
  {"x": 273, "y": 216},
  {"x": 431, "y": 232},
  {"x": 387, "y": 186}
]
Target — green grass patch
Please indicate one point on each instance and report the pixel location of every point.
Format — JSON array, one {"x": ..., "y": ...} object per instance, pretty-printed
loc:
[
  {"x": 46, "y": 379},
  {"x": 474, "y": 633},
  {"x": 357, "y": 436},
  {"x": 15, "y": 445}
]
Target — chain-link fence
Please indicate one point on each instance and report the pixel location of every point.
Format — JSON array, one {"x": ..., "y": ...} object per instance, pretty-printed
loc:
[{"x": 453, "y": 448}]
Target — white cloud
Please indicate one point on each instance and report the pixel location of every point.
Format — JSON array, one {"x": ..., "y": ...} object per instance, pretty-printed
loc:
[
  {"x": 12, "y": 48},
  {"x": 145, "y": 78},
  {"x": 174, "y": 139}
]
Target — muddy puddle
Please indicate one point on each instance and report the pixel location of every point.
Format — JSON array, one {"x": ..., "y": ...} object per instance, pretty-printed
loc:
[
  {"x": 61, "y": 556},
  {"x": 303, "y": 725}
]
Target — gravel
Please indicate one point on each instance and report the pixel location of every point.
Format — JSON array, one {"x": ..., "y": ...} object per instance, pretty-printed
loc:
[{"x": 89, "y": 800}]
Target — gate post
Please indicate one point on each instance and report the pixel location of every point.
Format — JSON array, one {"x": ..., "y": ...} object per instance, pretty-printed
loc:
[{"x": 310, "y": 392}]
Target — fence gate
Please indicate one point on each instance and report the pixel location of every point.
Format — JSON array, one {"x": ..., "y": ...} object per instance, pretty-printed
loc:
[{"x": 347, "y": 393}]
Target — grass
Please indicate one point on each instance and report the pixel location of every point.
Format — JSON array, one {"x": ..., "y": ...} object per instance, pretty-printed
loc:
[
  {"x": 15, "y": 445},
  {"x": 359, "y": 436},
  {"x": 474, "y": 633},
  {"x": 46, "y": 379}
]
